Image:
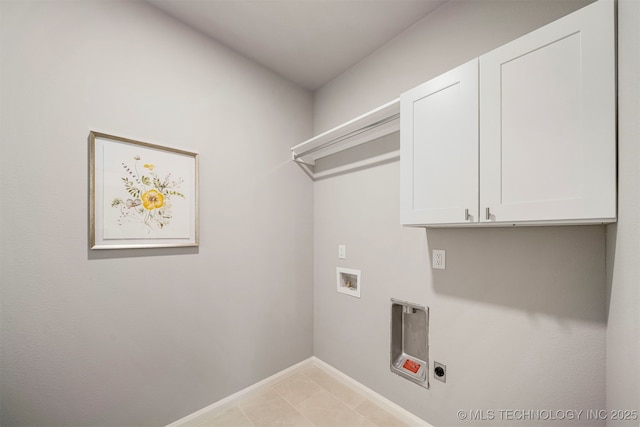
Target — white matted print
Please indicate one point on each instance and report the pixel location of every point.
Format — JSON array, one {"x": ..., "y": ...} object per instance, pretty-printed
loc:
[{"x": 142, "y": 195}]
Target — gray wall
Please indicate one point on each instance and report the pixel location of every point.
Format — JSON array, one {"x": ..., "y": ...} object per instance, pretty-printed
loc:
[
  {"x": 144, "y": 337},
  {"x": 623, "y": 238},
  {"x": 518, "y": 316},
  {"x": 451, "y": 35}
]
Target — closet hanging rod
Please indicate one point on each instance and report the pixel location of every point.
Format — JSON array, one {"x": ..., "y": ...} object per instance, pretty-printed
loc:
[
  {"x": 374, "y": 124},
  {"x": 351, "y": 134}
]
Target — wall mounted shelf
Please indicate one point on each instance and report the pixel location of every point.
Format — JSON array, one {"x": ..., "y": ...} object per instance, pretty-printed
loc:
[{"x": 367, "y": 127}]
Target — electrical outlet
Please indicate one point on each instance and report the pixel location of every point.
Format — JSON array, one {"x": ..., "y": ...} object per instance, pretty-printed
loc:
[
  {"x": 440, "y": 371},
  {"x": 438, "y": 259},
  {"x": 342, "y": 251}
]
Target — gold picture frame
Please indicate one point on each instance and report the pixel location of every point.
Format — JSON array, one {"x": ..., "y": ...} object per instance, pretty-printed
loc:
[{"x": 142, "y": 195}]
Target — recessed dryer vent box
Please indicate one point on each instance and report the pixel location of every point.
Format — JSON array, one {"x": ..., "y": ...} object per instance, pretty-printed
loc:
[{"x": 409, "y": 341}]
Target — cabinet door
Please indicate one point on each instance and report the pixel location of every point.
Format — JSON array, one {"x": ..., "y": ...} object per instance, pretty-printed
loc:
[
  {"x": 547, "y": 123},
  {"x": 439, "y": 149}
]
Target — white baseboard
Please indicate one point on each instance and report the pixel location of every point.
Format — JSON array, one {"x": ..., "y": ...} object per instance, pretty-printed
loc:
[{"x": 206, "y": 413}]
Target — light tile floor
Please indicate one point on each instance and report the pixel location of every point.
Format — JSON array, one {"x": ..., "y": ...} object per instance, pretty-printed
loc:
[{"x": 309, "y": 397}]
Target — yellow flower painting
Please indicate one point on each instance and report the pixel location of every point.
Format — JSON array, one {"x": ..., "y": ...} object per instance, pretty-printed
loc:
[
  {"x": 148, "y": 199},
  {"x": 142, "y": 195},
  {"x": 152, "y": 200}
]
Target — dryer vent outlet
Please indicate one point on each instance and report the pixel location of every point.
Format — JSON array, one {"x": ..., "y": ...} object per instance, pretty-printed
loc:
[{"x": 409, "y": 342}]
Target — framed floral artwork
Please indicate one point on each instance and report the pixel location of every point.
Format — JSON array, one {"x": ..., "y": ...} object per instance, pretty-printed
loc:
[{"x": 142, "y": 195}]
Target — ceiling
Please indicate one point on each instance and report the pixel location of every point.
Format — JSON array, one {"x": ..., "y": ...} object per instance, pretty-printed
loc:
[{"x": 309, "y": 42}]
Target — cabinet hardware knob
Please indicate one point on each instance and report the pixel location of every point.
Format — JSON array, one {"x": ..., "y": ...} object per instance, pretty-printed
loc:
[
  {"x": 466, "y": 215},
  {"x": 488, "y": 214}
]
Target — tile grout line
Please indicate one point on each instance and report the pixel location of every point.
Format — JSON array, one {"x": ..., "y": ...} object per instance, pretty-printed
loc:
[
  {"x": 285, "y": 397},
  {"x": 338, "y": 398},
  {"x": 294, "y": 408},
  {"x": 245, "y": 415},
  {"x": 348, "y": 387},
  {"x": 326, "y": 390},
  {"x": 373, "y": 397},
  {"x": 355, "y": 409}
]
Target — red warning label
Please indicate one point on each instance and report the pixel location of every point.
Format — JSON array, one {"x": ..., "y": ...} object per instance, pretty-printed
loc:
[{"x": 412, "y": 366}]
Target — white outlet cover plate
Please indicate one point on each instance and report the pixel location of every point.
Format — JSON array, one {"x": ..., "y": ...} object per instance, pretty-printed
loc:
[
  {"x": 438, "y": 259},
  {"x": 342, "y": 251}
]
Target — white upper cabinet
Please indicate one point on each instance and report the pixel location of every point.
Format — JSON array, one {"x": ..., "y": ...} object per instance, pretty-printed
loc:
[
  {"x": 547, "y": 123},
  {"x": 547, "y": 139},
  {"x": 439, "y": 149}
]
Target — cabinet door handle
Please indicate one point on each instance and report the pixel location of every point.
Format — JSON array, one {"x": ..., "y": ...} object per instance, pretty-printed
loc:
[
  {"x": 466, "y": 215},
  {"x": 488, "y": 214}
]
